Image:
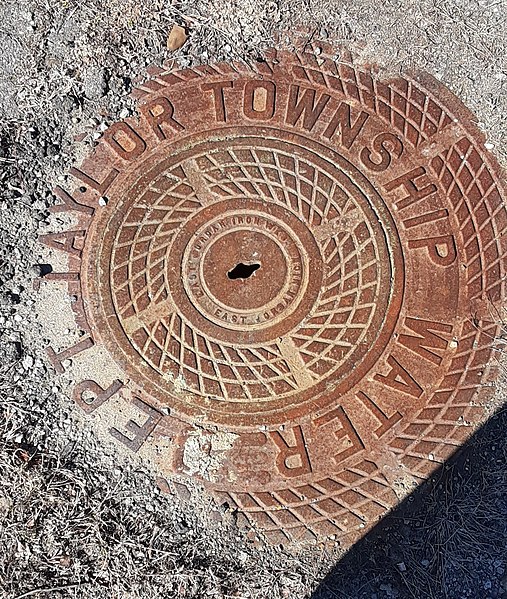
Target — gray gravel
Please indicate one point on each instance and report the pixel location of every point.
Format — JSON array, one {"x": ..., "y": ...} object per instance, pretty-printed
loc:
[{"x": 76, "y": 520}]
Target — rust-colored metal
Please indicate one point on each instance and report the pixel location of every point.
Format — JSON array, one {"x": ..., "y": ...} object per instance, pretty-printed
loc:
[{"x": 294, "y": 269}]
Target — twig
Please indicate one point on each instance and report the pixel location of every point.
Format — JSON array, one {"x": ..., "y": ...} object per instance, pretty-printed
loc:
[{"x": 46, "y": 590}]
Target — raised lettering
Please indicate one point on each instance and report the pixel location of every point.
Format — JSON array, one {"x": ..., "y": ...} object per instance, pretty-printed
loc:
[
  {"x": 292, "y": 460},
  {"x": 69, "y": 203},
  {"x": 259, "y": 100},
  {"x": 441, "y": 250},
  {"x": 345, "y": 434},
  {"x": 68, "y": 277},
  {"x": 160, "y": 112},
  {"x": 408, "y": 181},
  {"x": 125, "y": 142},
  {"x": 218, "y": 97},
  {"x": 384, "y": 147},
  {"x": 96, "y": 394},
  {"x": 426, "y": 338},
  {"x": 342, "y": 120},
  {"x": 305, "y": 106},
  {"x": 65, "y": 241},
  {"x": 140, "y": 432},
  {"x": 101, "y": 188},
  {"x": 429, "y": 217},
  {"x": 398, "y": 378},
  {"x": 385, "y": 422},
  {"x": 57, "y": 359}
]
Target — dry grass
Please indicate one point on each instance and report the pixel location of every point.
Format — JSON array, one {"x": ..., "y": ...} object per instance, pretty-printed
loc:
[
  {"x": 76, "y": 522},
  {"x": 69, "y": 529}
]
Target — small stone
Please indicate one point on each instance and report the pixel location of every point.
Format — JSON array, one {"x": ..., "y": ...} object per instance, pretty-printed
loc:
[
  {"x": 402, "y": 567},
  {"x": 102, "y": 201},
  {"x": 216, "y": 516},
  {"x": 35, "y": 270},
  {"x": 28, "y": 362},
  {"x": 95, "y": 83},
  {"x": 5, "y": 504},
  {"x": 65, "y": 561},
  {"x": 489, "y": 146},
  {"x": 177, "y": 37},
  {"x": 12, "y": 351}
]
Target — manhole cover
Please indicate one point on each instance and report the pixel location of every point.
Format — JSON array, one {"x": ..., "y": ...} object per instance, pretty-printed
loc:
[{"x": 295, "y": 268}]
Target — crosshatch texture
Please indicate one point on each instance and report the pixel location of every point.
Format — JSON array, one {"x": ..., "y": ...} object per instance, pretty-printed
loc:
[{"x": 312, "y": 394}]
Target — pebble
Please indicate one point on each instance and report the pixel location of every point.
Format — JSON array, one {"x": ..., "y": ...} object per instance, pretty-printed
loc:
[
  {"x": 177, "y": 37},
  {"x": 28, "y": 362},
  {"x": 95, "y": 83}
]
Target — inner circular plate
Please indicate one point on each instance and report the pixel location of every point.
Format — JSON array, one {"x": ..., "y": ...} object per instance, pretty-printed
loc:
[{"x": 318, "y": 298}]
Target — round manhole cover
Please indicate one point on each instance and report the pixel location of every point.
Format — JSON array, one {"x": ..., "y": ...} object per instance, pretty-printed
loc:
[{"x": 294, "y": 269}]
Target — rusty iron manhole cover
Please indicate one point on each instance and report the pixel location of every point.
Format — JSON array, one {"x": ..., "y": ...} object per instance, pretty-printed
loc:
[{"x": 293, "y": 268}]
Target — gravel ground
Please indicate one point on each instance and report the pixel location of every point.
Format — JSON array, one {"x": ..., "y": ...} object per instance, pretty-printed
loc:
[{"x": 77, "y": 519}]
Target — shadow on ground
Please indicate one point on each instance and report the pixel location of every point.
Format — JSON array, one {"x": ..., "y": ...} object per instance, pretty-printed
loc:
[{"x": 448, "y": 540}]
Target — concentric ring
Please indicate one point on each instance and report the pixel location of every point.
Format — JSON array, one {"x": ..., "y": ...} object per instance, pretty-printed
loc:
[{"x": 345, "y": 259}]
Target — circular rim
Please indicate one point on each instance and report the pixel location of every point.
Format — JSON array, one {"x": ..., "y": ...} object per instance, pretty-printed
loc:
[{"x": 277, "y": 411}]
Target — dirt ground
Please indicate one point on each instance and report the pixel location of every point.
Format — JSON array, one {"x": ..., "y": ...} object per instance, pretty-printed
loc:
[{"x": 76, "y": 518}]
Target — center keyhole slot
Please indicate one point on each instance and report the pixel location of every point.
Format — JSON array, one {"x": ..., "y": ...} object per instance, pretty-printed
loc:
[{"x": 243, "y": 271}]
